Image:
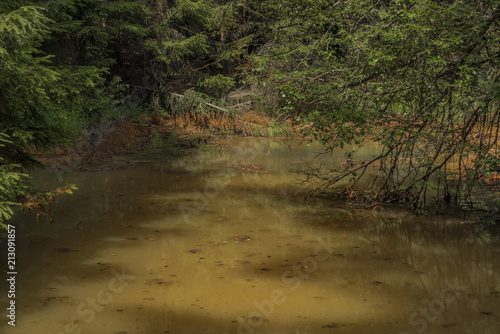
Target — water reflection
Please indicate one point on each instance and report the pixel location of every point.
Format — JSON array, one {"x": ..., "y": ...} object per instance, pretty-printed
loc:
[{"x": 197, "y": 246}]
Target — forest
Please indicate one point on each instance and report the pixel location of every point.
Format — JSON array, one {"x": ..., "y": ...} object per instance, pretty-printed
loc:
[{"x": 418, "y": 77}]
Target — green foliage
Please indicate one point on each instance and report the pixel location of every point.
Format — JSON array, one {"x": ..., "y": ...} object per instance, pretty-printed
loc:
[
  {"x": 216, "y": 85},
  {"x": 37, "y": 97},
  {"x": 174, "y": 144},
  {"x": 103, "y": 38},
  {"x": 278, "y": 129},
  {"x": 40, "y": 101},
  {"x": 25, "y": 83},
  {"x": 93, "y": 32},
  {"x": 155, "y": 141},
  {"x": 418, "y": 77},
  {"x": 194, "y": 14},
  {"x": 200, "y": 45},
  {"x": 106, "y": 101},
  {"x": 174, "y": 51},
  {"x": 12, "y": 185},
  {"x": 173, "y": 138}
]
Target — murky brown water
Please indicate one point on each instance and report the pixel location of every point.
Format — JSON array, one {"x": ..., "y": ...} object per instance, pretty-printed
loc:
[{"x": 201, "y": 247}]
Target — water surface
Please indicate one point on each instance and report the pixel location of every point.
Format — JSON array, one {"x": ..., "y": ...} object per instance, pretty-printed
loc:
[{"x": 208, "y": 243}]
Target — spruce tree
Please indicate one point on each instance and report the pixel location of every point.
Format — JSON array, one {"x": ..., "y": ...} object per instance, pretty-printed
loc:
[{"x": 35, "y": 97}]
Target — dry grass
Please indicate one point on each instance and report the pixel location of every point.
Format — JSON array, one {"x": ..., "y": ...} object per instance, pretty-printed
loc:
[{"x": 246, "y": 124}]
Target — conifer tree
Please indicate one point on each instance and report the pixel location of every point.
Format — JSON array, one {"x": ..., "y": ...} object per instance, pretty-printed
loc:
[
  {"x": 198, "y": 44},
  {"x": 36, "y": 97}
]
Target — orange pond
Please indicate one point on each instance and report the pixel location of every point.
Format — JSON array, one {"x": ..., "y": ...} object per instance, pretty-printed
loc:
[{"x": 201, "y": 245}]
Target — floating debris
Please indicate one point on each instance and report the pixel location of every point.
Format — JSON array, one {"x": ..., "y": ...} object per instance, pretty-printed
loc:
[
  {"x": 63, "y": 299},
  {"x": 159, "y": 281},
  {"x": 241, "y": 237},
  {"x": 332, "y": 325},
  {"x": 65, "y": 250}
]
